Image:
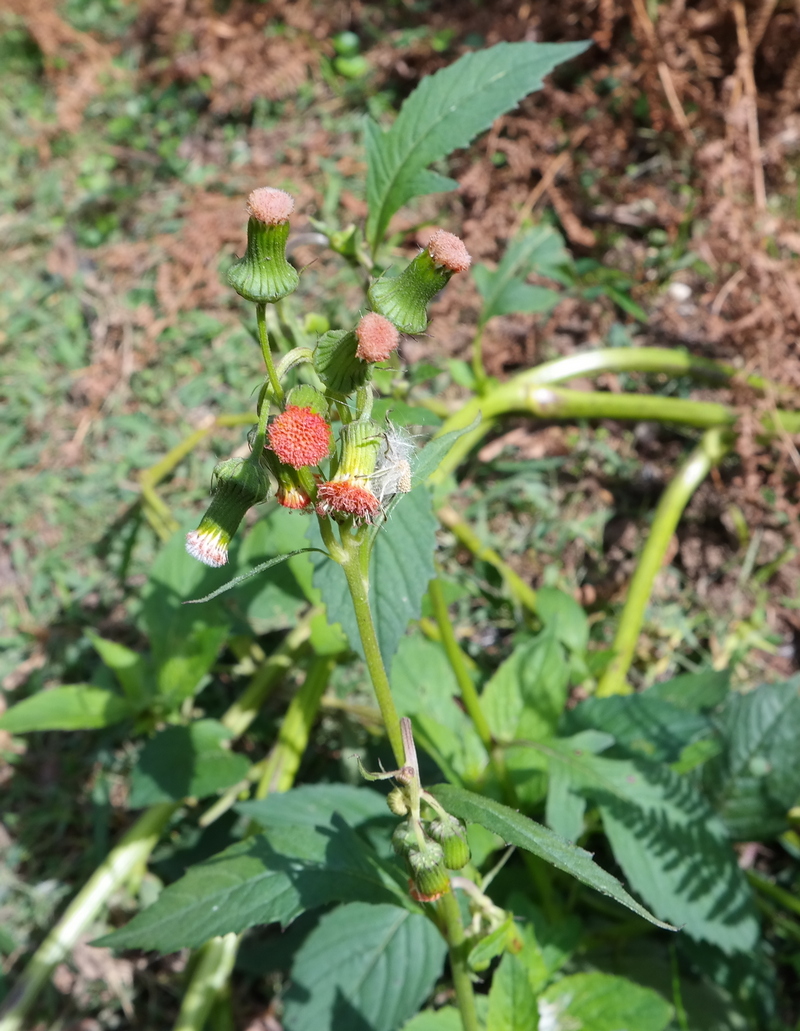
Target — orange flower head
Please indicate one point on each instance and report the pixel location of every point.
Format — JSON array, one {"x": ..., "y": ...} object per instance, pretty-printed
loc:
[
  {"x": 346, "y": 497},
  {"x": 377, "y": 338},
  {"x": 299, "y": 437}
]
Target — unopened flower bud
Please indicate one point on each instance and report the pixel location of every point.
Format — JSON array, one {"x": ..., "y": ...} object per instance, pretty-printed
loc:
[
  {"x": 397, "y": 802},
  {"x": 238, "y": 484},
  {"x": 429, "y": 878},
  {"x": 264, "y": 275},
  {"x": 377, "y": 338},
  {"x": 404, "y": 299},
  {"x": 299, "y": 437},
  {"x": 452, "y": 836},
  {"x": 404, "y": 839}
]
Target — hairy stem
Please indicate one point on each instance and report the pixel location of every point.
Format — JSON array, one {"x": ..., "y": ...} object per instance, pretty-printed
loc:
[
  {"x": 713, "y": 447},
  {"x": 454, "y": 933},
  {"x": 355, "y": 566}
]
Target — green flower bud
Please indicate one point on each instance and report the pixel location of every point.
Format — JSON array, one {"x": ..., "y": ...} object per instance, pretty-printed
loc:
[
  {"x": 404, "y": 839},
  {"x": 263, "y": 275},
  {"x": 237, "y": 485},
  {"x": 404, "y": 299},
  {"x": 429, "y": 878},
  {"x": 397, "y": 802},
  {"x": 452, "y": 836}
]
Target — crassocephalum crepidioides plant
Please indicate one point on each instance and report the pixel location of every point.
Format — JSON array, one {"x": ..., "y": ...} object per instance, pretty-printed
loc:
[{"x": 348, "y": 485}]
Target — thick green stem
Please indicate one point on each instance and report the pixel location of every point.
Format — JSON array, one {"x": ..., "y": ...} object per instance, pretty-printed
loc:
[
  {"x": 213, "y": 966},
  {"x": 263, "y": 339},
  {"x": 282, "y": 764},
  {"x": 355, "y": 566},
  {"x": 119, "y": 865},
  {"x": 711, "y": 450},
  {"x": 454, "y": 933}
]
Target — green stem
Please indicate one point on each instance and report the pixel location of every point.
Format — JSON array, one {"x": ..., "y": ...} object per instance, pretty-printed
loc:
[
  {"x": 713, "y": 447},
  {"x": 118, "y": 866},
  {"x": 478, "y": 370},
  {"x": 457, "y": 944},
  {"x": 263, "y": 339},
  {"x": 213, "y": 966},
  {"x": 281, "y": 767},
  {"x": 355, "y": 566}
]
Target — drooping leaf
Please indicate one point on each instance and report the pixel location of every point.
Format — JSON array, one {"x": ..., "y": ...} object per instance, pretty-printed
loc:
[
  {"x": 600, "y": 1002},
  {"x": 444, "y": 113},
  {"x": 504, "y": 290},
  {"x": 76, "y": 707},
  {"x": 671, "y": 847},
  {"x": 401, "y": 568},
  {"x": 525, "y": 833},
  {"x": 182, "y": 762},
  {"x": 512, "y": 1004},
  {"x": 271, "y": 877},
  {"x": 756, "y": 779},
  {"x": 363, "y": 967}
]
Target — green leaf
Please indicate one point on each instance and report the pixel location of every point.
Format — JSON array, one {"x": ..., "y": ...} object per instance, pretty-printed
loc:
[
  {"x": 671, "y": 847},
  {"x": 424, "y": 687},
  {"x": 185, "y": 762},
  {"x": 546, "y": 946},
  {"x": 756, "y": 779},
  {"x": 430, "y": 457},
  {"x": 271, "y": 877},
  {"x": 401, "y": 568},
  {"x": 643, "y": 726},
  {"x": 504, "y": 291},
  {"x": 696, "y": 692},
  {"x": 564, "y": 616},
  {"x": 444, "y": 113},
  {"x": 77, "y": 707},
  {"x": 512, "y": 1004},
  {"x": 363, "y": 967},
  {"x": 524, "y": 833},
  {"x": 527, "y": 694},
  {"x": 600, "y": 1002},
  {"x": 446, "y": 1019},
  {"x": 185, "y": 640},
  {"x": 129, "y": 667}
]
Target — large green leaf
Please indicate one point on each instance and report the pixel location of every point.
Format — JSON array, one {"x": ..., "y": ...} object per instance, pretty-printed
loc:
[
  {"x": 77, "y": 707},
  {"x": 401, "y": 568},
  {"x": 599, "y": 1002},
  {"x": 512, "y": 1004},
  {"x": 756, "y": 779},
  {"x": 185, "y": 639},
  {"x": 444, "y": 113},
  {"x": 184, "y": 762},
  {"x": 271, "y": 877},
  {"x": 130, "y": 668},
  {"x": 504, "y": 290},
  {"x": 672, "y": 848},
  {"x": 526, "y": 695},
  {"x": 363, "y": 968},
  {"x": 518, "y": 830}
]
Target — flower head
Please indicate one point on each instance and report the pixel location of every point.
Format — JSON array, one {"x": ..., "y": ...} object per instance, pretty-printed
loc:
[
  {"x": 346, "y": 497},
  {"x": 448, "y": 251},
  {"x": 263, "y": 274},
  {"x": 300, "y": 436},
  {"x": 292, "y": 495},
  {"x": 377, "y": 338},
  {"x": 238, "y": 484},
  {"x": 270, "y": 206}
]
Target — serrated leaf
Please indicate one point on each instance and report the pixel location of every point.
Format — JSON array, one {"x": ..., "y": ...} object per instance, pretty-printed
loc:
[
  {"x": 671, "y": 847},
  {"x": 183, "y": 762},
  {"x": 504, "y": 290},
  {"x": 525, "y": 833},
  {"x": 512, "y": 1004},
  {"x": 363, "y": 967},
  {"x": 600, "y": 1002},
  {"x": 271, "y": 877},
  {"x": 76, "y": 707},
  {"x": 756, "y": 779},
  {"x": 444, "y": 113},
  {"x": 401, "y": 568}
]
